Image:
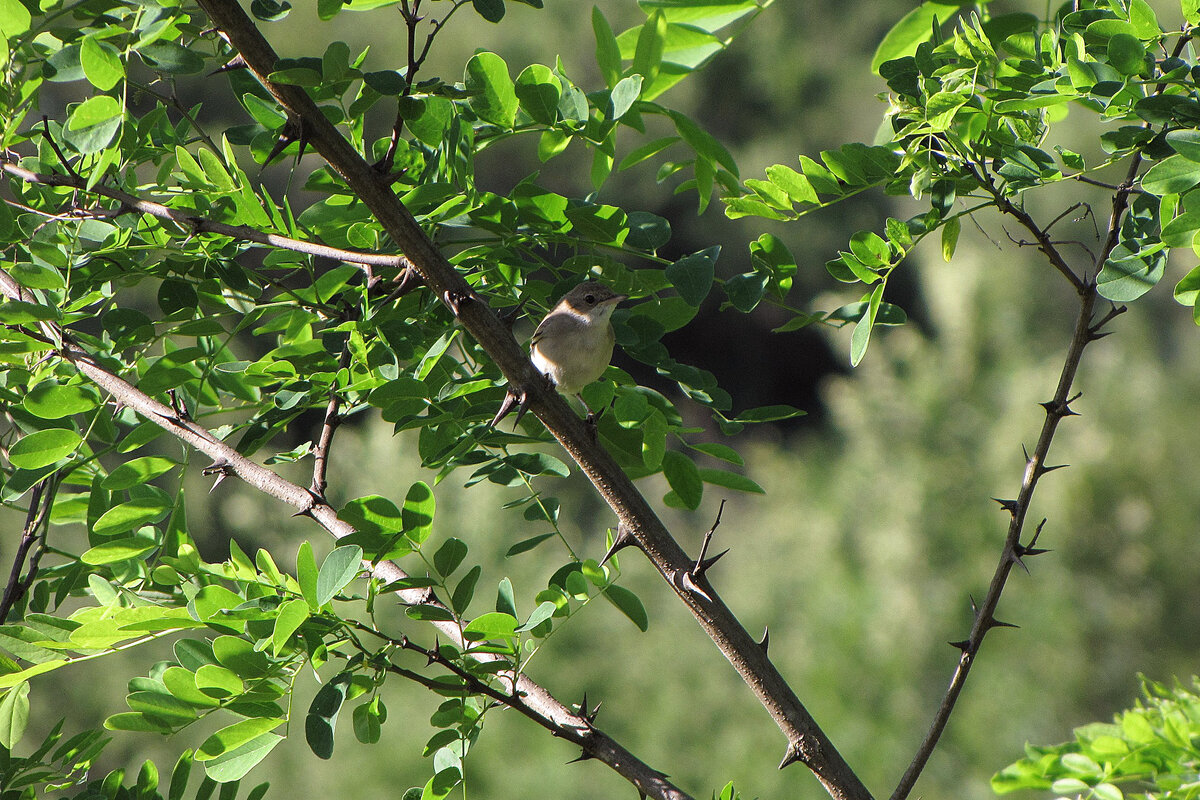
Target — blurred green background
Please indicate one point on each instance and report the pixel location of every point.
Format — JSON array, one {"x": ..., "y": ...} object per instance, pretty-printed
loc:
[{"x": 877, "y": 522}]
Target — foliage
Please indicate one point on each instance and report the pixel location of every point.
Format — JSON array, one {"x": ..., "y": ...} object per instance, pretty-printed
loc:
[
  {"x": 1147, "y": 751},
  {"x": 158, "y": 284},
  {"x": 971, "y": 110},
  {"x": 139, "y": 240}
]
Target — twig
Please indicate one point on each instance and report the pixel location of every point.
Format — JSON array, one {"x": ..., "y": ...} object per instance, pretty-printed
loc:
[
  {"x": 131, "y": 204},
  {"x": 227, "y": 461},
  {"x": 41, "y": 499},
  {"x": 806, "y": 741},
  {"x": 332, "y": 420},
  {"x": 587, "y": 736}
]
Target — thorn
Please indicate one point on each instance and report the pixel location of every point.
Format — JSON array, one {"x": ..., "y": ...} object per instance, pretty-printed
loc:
[
  {"x": 222, "y": 469},
  {"x": 623, "y": 538},
  {"x": 510, "y": 317},
  {"x": 1025, "y": 452},
  {"x": 964, "y": 645},
  {"x": 683, "y": 581},
  {"x": 510, "y": 399},
  {"x": 237, "y": 62},
  {"x": 292, "y": 131},
  {"x": 178, "y": 407},
  {"x": 791, "y": 756},
  {"x": 1008, "y": 505},
  {"x": 583, "y": 756},
  {"x": 974, "y": 607},
  {"x": 431, "y": 656},
  {"x": 701, "y": 567},
  {"x": 765, "y": 640},
  {"x": 588, "y": 717},
  {"x": 995, "y": 623},
  {"x": 1051, "y": 469},
  {"x": 1095, "y": 335},
  {"x": 455, "y": 299}
]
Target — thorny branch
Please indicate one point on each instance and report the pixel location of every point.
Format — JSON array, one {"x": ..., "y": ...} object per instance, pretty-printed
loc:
[
  {"x": 806, "y": 741},
  {"x": 1058, "y": 408},
  {"x": 227, "y": 461}
]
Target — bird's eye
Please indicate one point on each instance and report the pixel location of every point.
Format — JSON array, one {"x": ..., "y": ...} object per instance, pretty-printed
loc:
[{"x": 590, "y": 299}]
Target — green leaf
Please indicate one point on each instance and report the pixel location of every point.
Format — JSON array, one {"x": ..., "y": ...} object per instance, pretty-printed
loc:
[
  {"x": 337, "y": 570},
  {"x": 647, "y": 56},
  {"x": 684, "y": 478},
  {"x": 543, "y": 612},
  {"x": 14, "y": 714},
  {"x": 692, "y": 276},
  {"x": 291, "y": 615},
  {"x": 721, "y": 451},
  {"x": 234, "y": 736},
  {"x": 1172, "y": 175},
  {"x": 449, "y": 556},
  {"x": 862, "y": 330},
  {"x": 530, "y": 543},
  {"x": 417, "y": 515},
  {"x": 629, "y": 604},
  {"x": 117, "y": 550},
  {"x": 138, "y": 472},
  {"x": 1126, "y": 54},
  {"x": 14, "y": 19},
  {"x": 52, "y": 400},
  {"x": 463, "y": 593},
  {"x": 93, "y": 111},
  {"x": 306, "y": 575},
  {"x": 322, "y": 715},
  {"x": 234, "y": 764},
  {"x": 1187, "y": 291},
  {"x": 131, "y": 515},
  {"x": 492, "y": 625},
  {"x": 494, "y": 97},
  {"x": 538, "y": 90},
  {"x": 624, "y": 95},
  {"x": 1127, "y": 276},
  {"x": 950, "y": 233},
  {"x": 1181, "y": 231},
  {"x": 1186, "y": 143},
  {"x": 730, "y": 480},
  {"x": 640, "y": 154},
  {"x": 797, "y": 187},
  {"x": 912, "y": 29},
  {"x": 101, "y": 63},
  {"x": 608, "y": 52},
  {"x": 43, "y": 448},
  {"x": 491, "y": 10}
]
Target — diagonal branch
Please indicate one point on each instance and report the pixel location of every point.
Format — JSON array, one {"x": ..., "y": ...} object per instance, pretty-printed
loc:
[
  {"x": 539, "y": 704},
  {"x": 806, "y": 742}
]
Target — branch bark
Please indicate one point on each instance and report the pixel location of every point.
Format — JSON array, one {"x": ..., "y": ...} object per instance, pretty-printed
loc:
[
  {"x": 538, "y": 703},
  {"x": 806, "y": 741}
]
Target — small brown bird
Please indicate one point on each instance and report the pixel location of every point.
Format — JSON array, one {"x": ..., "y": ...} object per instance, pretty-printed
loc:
[{"x": 574, "y": 343}]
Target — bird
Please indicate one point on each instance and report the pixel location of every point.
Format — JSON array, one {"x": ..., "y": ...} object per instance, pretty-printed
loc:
[{"x": 573, "y": 344}]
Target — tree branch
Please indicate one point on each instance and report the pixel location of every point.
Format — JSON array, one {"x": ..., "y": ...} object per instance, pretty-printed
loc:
[
  {"x": 194, "y": 223},
  {"x": 1057, "y": 409},
  {"x": 551, "y": 714},
  {"x": 806, "y": 742}
]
